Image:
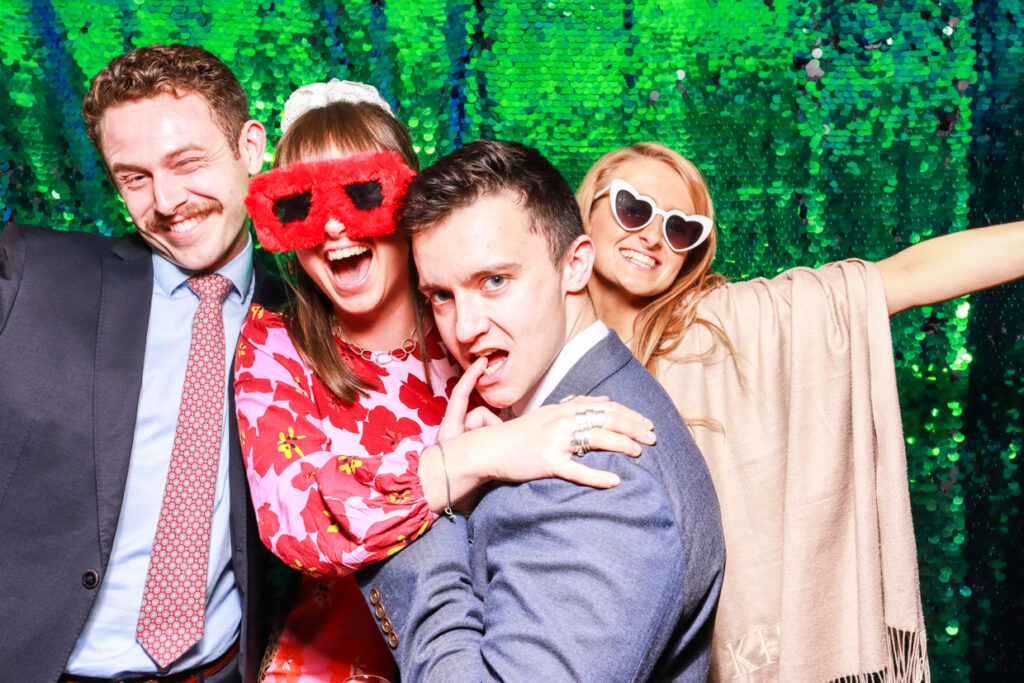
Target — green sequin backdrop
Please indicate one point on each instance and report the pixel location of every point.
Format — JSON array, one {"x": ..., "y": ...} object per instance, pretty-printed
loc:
[{"x": 826, "y": 130}]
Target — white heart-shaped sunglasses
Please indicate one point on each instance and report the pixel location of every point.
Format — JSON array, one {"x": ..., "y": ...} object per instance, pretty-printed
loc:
[{"x": 634, "y": 211}]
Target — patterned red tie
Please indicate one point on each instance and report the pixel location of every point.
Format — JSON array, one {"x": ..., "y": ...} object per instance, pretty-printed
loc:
[{"x": 171, "y": 618}]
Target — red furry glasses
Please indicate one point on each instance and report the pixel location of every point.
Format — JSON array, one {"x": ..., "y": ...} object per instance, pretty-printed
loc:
[{"x": 290, "y": 205}]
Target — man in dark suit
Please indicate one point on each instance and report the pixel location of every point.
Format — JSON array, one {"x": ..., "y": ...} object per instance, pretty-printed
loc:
[
  {"x": 546, "y": 580},
  {"x": 128, "y": 543}
]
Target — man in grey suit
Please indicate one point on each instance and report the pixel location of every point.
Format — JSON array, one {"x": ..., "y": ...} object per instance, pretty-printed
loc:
[{"x": 546, "y": 580}]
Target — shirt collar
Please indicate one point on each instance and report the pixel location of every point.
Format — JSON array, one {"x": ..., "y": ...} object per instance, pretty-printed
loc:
[
  {"x": 570, "y": 354},
  {"x": 169, "y": 276}
]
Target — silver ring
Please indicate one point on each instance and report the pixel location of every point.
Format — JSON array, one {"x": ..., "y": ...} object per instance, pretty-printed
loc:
[
  {"x": 579, "y": 441},
  {"x": 587, "y": 419}
]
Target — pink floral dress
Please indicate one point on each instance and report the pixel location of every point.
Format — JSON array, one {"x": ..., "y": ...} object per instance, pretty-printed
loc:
[{"x": 335, "y": 486}]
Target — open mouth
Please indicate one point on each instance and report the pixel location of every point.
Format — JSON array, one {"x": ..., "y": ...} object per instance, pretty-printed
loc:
[
  {"x": 350, "y": 265},
  {"x": 640, "y": 260},
  {"x": 496, "y": 359}
]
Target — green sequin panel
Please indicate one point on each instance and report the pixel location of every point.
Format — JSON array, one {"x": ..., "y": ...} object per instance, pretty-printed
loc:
[{"x": 826, "y": 130}]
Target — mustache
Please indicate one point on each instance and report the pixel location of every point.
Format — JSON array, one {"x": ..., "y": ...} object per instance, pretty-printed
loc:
[{"x": 196, "y": 210}]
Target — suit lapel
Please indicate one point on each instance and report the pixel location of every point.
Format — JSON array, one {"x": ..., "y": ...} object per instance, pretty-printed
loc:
[
  {"x": 606, "y": 358},
  {"x": 122, "y": 322}
]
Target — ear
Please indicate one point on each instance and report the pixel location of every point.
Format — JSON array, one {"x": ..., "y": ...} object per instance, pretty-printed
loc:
[
  {"x": 577, "y": 263},
  {"x": 252, "y": 144}
]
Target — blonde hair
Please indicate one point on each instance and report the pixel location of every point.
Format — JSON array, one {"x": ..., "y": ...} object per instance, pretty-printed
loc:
[{"x": 660, "y": 325}]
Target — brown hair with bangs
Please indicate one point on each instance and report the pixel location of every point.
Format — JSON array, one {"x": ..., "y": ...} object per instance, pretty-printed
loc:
[
  {"x": 178, "y": 70},
  {"x": 339, "y": 129},
  {"x": 660, "y": 325}
]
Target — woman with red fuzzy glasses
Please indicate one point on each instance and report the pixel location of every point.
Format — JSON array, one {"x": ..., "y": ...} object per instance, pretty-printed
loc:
[
  {"x": 341, "y": 396},
  {"x": 789, "y": 387}
]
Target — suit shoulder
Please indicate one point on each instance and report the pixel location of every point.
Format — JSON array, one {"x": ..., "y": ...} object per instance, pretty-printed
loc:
[
  {"x": 48, "y": 247},
  {"x": 62, "y": 241}
]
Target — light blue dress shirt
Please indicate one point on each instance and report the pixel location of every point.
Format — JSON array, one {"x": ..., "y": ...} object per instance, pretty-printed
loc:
[{"x": 107, "y": 646}]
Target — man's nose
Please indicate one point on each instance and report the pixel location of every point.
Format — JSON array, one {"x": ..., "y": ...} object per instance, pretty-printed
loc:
[
  {"x": 470, "y": 321},
  {"x": 169, "y": 194}
]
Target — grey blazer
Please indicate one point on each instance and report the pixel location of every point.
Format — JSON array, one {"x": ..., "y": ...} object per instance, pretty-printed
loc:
[
  {"x": 74, "y": 310},
  {"x": 553, "y": 581}
]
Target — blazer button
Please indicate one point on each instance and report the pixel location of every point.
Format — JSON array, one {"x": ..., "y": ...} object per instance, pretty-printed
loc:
[
  {"x": 385, "y": 625},
  {"x": 374, "y": 596},
  {"x": 378, "y": 609},
  {"x": 90, "y": 579},
  {"x": 392, "y": 640}
]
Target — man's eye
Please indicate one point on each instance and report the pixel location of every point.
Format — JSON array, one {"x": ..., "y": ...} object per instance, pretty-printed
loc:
[
  {"x": 495, "y": 281},
  {"x": 438, "y": 298}
]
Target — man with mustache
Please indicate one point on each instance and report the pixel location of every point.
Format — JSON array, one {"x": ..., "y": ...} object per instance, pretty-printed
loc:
[
  {"x": 546, "y": 580},
  {"x": 129, "y": 547}
]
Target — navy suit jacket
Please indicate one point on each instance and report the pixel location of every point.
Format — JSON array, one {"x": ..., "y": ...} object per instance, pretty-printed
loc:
[
  {"x": 548, "y": 580},
  {"x": 74, "y": 311}
]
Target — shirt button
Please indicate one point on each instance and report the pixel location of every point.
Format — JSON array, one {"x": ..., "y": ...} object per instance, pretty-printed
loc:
[
  {"x": 392, "y": 640},
  {"x": 374, "y": 596},
  {"x": 90, "y": 579}
]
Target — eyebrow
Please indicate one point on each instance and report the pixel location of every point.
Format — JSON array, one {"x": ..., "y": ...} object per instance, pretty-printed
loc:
[{"x": 510, "y": 267}]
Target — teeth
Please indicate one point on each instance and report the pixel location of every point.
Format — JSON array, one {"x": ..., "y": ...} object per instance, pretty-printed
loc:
[
  {"x": 338, "y": 254},
  {"x": 491, "y": 368},
  {"x": 186, "y": 224},
  {"x": 639, "y": 259}
]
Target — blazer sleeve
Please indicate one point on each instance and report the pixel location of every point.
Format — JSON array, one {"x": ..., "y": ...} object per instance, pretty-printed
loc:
[
  {"x": 575, "y": 584},
  {"x": 12, "y": 264}
]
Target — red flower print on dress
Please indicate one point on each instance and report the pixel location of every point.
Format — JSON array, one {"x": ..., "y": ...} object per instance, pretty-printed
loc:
[
  {"x": 298, "y": 393},
  {"x": 258, "y": 324},
  {"x": 319, "y": 520},
  {"x": 302, "y": 555},
  {"x": 365, "y": 370},
  {"x": 280, "y": 440},
  {"x": 306, "y": 477},
  {"x": 243, "y": 377},
  {"x": 416, "y": 394},
  {"x": 436, "y": 350},
  {"x": 268, "y": 523},
  {"x": 347, "y": 417},
  {"x": 383, "y": 431}
]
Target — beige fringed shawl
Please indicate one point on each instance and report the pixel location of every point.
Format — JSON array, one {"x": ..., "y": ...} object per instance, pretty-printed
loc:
[{"x": 807, "y": 456}]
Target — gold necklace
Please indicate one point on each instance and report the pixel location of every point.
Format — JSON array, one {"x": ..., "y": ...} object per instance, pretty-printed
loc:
[{"x": 399, "y": 353}]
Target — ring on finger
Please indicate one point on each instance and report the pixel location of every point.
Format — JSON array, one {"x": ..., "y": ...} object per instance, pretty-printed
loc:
[
  {"x": 596, "y": 417},
  {"x": 579, "y": 441}
]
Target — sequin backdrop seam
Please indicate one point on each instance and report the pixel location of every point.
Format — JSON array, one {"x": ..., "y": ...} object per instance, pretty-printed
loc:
[{"x": 826, "y": 130}]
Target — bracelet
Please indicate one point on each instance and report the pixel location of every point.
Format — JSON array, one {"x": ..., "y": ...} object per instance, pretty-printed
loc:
[{"x": 449, "y": 513}]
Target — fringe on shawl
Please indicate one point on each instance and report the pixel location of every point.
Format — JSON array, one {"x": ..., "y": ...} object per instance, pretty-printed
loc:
[{"x": 908, "y": 660}]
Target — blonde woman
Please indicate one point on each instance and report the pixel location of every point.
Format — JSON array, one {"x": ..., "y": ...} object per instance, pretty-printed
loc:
[{"x": 789, "y": 387}]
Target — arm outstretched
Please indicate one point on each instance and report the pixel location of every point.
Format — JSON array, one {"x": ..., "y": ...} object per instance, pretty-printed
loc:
[{"x": 953, "y": 265}]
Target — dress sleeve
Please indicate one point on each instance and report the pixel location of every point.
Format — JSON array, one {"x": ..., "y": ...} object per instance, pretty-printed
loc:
[{"x": 326, "y": 506}]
